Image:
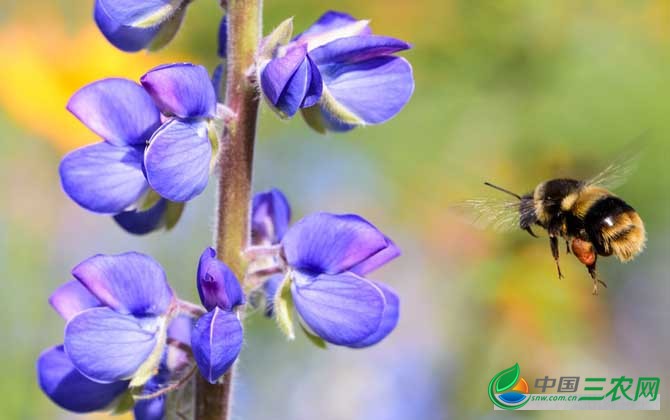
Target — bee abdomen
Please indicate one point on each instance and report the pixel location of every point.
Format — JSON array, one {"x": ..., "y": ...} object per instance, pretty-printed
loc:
[{"x": 614, "y": 227}]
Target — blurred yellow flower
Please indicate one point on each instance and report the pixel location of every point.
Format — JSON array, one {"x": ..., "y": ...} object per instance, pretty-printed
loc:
[
  {"x": 106, "y": 416},
  {"x": 49, "y": 63}
]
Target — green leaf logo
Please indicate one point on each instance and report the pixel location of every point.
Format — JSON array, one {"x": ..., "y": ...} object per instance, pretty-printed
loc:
[
  {"x": 504, "y": 381},
  {"x": 507, "y": 379}
]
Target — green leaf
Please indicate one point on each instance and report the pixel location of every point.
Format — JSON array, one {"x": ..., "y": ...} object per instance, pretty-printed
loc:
[
  {"x": 315, "y": 339},
  {"x": 507, "y": 378},
  {"x": 283, "y": 308},
  {"x": 124, "y": 403},
  {"x": 148, "y": 200},
  {"x": 153, "y": 19},
  {"x": 173, "y": 212},
  {"x": 312, "y": 117},
  {"x": 168, "y": 31},
  {"x": 214, "y": 132},
  {"x": 281, "y": 35}
]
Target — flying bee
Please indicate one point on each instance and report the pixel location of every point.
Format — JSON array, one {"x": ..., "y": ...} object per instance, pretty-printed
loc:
[{"x": 585, "y": 213}]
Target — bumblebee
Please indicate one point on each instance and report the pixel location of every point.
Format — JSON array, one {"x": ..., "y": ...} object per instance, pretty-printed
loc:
[{"x": 591, "y": 219}]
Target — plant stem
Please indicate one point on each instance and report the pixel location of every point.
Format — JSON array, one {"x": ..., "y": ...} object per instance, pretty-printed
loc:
[{"x": 235, "y": 161}]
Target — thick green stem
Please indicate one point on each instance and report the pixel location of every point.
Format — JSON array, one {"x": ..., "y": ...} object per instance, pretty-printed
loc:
[{"x": 235, "y": 162}]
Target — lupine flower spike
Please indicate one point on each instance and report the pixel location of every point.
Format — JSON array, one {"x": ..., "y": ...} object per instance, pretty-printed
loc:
[{"x": 129, "y": 341}]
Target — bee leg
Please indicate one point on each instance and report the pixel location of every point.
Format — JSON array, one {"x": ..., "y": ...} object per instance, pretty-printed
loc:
[
  {"x": 530, "y": 232},
  {"x": 594, "y": 276},
  {"x": 553, "y": 241},
  {"x": 567, "y": 246}
]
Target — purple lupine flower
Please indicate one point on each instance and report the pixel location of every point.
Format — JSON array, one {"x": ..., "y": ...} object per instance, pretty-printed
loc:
[
  {"x": 125, "y": 337},
  {"x": 337, "y": 72},
  {"x": 328, "y": 256},
  {"x": 270, "y": 217},
  {"x": 155, "y": 153},
  {"x": 217, "y": 336},
  {"x": 116, "y": 312},
  {"x": 135, "y": 25},
  {"x": 217, "y": 284}
]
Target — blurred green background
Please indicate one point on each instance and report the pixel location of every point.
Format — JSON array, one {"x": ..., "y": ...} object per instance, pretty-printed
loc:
[{"x": 513, "y": 92}]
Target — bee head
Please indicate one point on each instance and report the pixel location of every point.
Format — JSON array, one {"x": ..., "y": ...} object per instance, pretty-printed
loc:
[{"x": 527, "y": 216}]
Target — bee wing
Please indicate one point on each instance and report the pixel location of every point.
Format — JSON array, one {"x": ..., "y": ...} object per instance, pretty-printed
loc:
[
  {"x": 616, "y": 174},
  {"x": 492, "y": 213}
]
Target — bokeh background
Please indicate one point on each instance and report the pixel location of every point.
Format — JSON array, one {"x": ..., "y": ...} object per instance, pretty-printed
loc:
[{"x": 509, "y": 91}]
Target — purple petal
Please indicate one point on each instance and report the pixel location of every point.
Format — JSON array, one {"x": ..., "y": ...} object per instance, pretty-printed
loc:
[
  {"x": 389, "y": 319},
  {"x": 145, "y": 13},
  {"x": 178, "y": 357},
  {"x": 142, "y": 222},
  {"x": 153, "y": 409},
  {"x": 125, "y": 38},
  {"x": 270, "y": 287},
  {"x": 177, "y": 159},
  {"x": 103, "y": 178},
  {"x": 180, "y": 328},
  {"x": 71, "y": 390},
  {"x": 217, "y": 284},
  {"x": 107, "y": 346},
  {"x": 295, "y": 91},
  {"x": 71, "y": 298},
  {"x": 278, "y": 72},
  {"x": 333, "y": 25},
  {"x": 216, "y": 343},
  {"x": 374, "y": 90},
  {"x": 270, "y": 216},
  {"x": 330, "y": 243},
  {"x": 390, "y": 252},
  {"x": 130, "y": 283},
  {"x": 314, "y": 87},
  {"x": 184, "y": 90},
  {"x": 343, "y": 309},
  {"x": 357, "y": 48},
  {"x": 118, "y": 110}
]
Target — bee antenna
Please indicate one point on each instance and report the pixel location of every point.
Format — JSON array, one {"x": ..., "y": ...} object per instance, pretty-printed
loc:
[{"x": 488, "y": 184}]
